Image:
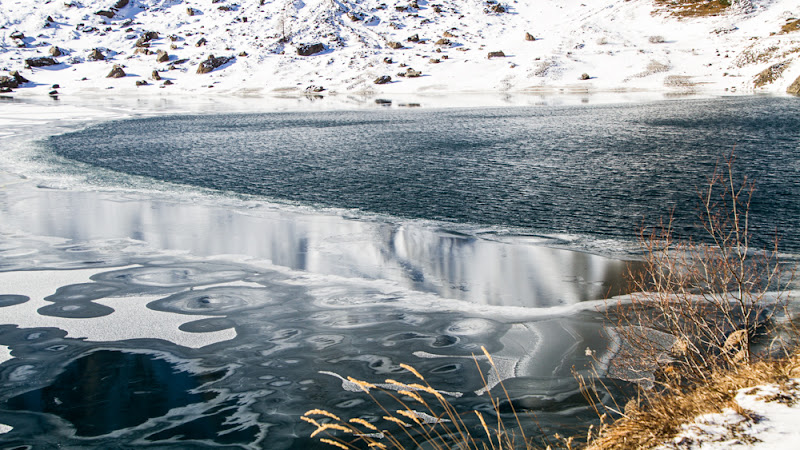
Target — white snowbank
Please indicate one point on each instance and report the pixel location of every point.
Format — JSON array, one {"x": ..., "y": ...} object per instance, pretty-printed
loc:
[
  {"x": 774, "y": 410},
  {"x": 622, "y": 45}
]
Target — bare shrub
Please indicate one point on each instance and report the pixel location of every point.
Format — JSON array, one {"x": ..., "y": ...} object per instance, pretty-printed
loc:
[{"x": 699, "y": 305}]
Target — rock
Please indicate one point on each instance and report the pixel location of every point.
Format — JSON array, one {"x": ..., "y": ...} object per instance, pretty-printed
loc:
[
  {"x": 434, "y": 61},
  {"x": 116, "y": 72},
  {"x": 17, "y": 35},
  {"x": 388, "y": 60},
  {"x": 355, "y": 17},
  {"x": 96, "y": 55},
  {"x": 144, "y": 40},
  {"x": 201, "y": 42},
  {"x": 314, "y": 88},
  {"x": 49, "y": 19},
  {"x": 437, "y": 9},
  {"x": 18, "y": 77},
  {"x": 448, "y": 34},
  {"x": 53, "y": 92},
  {"x": 383, "y": 79},
  {"x": 41, "y": 61},
  {"x": 410, "y": 73},
  {"x": 497, "y": 8},
  {"x": 142, "y": 51},
  {"x": 794, "y": 88},
  {"x": 383, "y": 101},
  {"x": 529, "y": 37},
  {"x": 243, "y": 54},
  {"x": 141, "y": 83},
  {"x": 191, "y": 11},
  {"x": 8, "y": 82},
  {"x": 5, "y": 90},
  {"x": 105, "y": 13},
  {"x": 413, "y": 38},
  {"x": 55, "y": 86},
  {"x": 212, "y": 63},
  {"x": 168, "y": 83},
  {"x": 444, "y": 42},
  {"x": 585, "y": 76},
  {"x": 155, "y": 76},
  {"x": 394, "y": 45},
  {"x": 310, "y": 49},
  {"x": 498, "y": 54},
  {"x": 55, "y": 51},
  {"x": 120, "y": 4},
  {"x": 162, "y": 56}
]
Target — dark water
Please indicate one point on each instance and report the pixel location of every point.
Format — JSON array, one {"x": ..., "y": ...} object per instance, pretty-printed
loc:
[{"x": 598, "y": 170}]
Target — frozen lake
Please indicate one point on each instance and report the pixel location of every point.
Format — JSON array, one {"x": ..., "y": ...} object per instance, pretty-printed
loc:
[{"x": 203, "y": 280}]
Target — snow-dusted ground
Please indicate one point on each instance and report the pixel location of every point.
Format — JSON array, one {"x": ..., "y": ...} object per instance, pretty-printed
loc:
[
  {"x": 622, "y": 45},
  {"x": 774, "y": 411}
]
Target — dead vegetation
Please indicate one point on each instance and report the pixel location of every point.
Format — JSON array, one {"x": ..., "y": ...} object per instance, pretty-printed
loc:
[
  {"x": 709, "y": 318},
  {"x": 791, "y": 25},
  {"x": 693, "y": 8}
]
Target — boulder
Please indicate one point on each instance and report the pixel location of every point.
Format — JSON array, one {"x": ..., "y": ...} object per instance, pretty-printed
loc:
[
  {"x": 141, "y": 83},
  {"x": 5, "y": 90},
  {"x": 116, "y": 72},
  {"x": 383, "y": 79},
  {"x": 120, "y": 4},
  {"x": 794, "y": 88},
  {"x": 191, "y": 11},
  {"x": 413, "y": 38},
  {"x": 212, "y": 63},
  {"x": 105, "y": 13},
  {"x": 310, "y": 49},
  {"x": 448, "y": 34},
  {"x": 144, "y": 40},
  {"x": 155, "y": 76},
  {"x": 55, "y": 51},
  {"x": 17, "y": 35},
  {"x": 8, "y": 82},
  {"x": 497, "y": 8},
  {"x": 529, "y": 37},
  {"x": 394, "y": 45},
  {"x": 444, "y": 42},
  {"x": 411, "y": 73},
  {"x": 96, "y": 55},
  {"x": 201, "y": 42},
  {"x": 355, "y": 17},
  {"x": 41, "y": 61},
  {"x": 18, "y": 77},
  {"x": 168, "y": 83},
  {"x": 162, "y": 56},
  {"x": 585, "y": 76},
  {"x": 497, "y": 54}
]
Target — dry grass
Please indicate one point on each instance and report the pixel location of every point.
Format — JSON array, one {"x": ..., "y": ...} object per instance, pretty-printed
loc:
[
  {"x": 693, "y": 8},
  {"x": 660, "y": 419},
  {"x": 791, "y": 26}
]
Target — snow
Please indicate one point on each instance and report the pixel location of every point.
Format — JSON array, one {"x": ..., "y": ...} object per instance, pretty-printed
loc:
[
  {"x": 774, "y": 410},
  {"x": 4, "y": 428},
  {"x": 622, "y": 45}
]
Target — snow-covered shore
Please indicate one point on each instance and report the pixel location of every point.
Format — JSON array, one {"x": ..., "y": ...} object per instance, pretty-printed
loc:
[{"x": 621, "y": 46}]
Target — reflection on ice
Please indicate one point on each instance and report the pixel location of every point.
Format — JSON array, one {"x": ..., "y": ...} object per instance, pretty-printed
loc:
[{"x": 508, "y": 272}]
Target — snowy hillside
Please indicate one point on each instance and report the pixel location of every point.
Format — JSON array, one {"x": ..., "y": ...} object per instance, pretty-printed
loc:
[{"x": 424, "y": 47}]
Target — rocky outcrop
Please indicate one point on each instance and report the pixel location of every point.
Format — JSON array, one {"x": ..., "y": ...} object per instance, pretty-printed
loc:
[
  {"x": 310, "y": 49},
  {"x": 770, "y": 74},
  {"x": 41, "y": 61},
  {"x": 116, "y": 72},
  {"x": 212, "y": 63},
  {"x": 794, "y": 88},
  {"x": 18, "y": 77}
]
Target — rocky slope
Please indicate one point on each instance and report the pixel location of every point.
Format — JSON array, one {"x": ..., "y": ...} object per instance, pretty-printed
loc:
[{"x": 370, "y": 47}]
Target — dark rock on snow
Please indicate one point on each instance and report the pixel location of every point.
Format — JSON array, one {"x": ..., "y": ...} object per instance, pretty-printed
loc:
[
  {"x": 105, "y": 13},
  {"x": 309, "y": 49},
  {"x": 96, "y": 55},
  {"x": 212, "y": 63},
  {"x": 162, "y": 56},
  {"x": 41, "y": 61},
  {"x": 55, "y": 51},
  {"x": 383, "y": 79},
  {"x": 498, "y": 54},
  {"x": 394, "y": 45},
  {"x": 116, "y": 72},
  {"x": 155, "y": 76}
]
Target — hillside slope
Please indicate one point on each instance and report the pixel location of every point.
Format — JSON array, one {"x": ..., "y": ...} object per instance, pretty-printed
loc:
[{"x": 614, "y": 45}]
